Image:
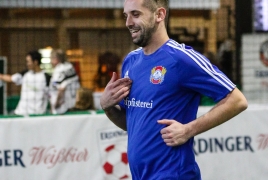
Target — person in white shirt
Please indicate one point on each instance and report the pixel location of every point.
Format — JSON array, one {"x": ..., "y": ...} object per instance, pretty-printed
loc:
[
  {"x": 34, "y": 86},
  {"x": 64, "y": 83}
]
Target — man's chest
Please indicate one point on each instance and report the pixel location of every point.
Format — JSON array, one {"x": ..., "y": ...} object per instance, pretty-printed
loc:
[
  {"x": 153, "y": 79},
  {"x": 34, "y": 82}
]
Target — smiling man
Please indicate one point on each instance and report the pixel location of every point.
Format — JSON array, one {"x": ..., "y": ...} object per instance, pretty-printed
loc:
[{"x": 157, "y": 98}]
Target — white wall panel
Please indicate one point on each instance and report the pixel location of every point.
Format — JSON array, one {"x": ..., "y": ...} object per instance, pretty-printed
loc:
[{"x": 174, "y": 4}]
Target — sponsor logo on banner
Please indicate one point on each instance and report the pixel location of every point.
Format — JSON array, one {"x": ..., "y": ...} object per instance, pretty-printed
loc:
[
  {"x": 50, "y": 156},
  {"x": 230, "y": 144},
  {"x": 9, "y": 157},
  {"x": 40, "y": 155},
  {"x": 262, "y": 141},
  {"x": 113, "y": 148}
]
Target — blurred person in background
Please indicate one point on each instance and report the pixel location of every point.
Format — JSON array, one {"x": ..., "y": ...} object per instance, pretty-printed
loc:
[
  {"x": 264, "y": 53},
  {"x": 107, "y": 64},
  {"x": 34, "y": 86},
  {"x": 84, "y": 100},
  {"x": 64, "y": 83},
  {"x": 225, "y": 57}
]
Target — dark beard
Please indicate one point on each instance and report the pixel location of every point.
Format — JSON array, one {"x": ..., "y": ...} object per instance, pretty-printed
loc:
[{"x": 145, "y": 38}]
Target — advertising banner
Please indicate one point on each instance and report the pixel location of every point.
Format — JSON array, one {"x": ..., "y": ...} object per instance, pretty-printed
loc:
[
  {"x": 236, "y": 149},
  {"x": 62, "y": 148},
  {"x": 90, "y": 147}
]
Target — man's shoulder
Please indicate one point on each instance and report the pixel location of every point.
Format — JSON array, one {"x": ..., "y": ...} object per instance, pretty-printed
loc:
[
  {"x": 131, "y": 56},
  {"x": 174, "y": 46},
  {"x": 24, "y": 72},
  {"x": 135, "y": 52},
  {"x": 179, "y": 51},
  {"x": 63, "y": 66}
]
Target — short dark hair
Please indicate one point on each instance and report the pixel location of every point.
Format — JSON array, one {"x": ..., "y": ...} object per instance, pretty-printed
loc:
[
  {"x": 35, "y": 55},
  {"x": 152, "y": 5}
]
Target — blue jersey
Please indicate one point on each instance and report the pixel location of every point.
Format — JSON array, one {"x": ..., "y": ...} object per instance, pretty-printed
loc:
[{"x": 167, "y": 84}]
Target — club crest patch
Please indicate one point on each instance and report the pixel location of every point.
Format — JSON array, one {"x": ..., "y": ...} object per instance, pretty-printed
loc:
[{"x": 158, "y": 74}]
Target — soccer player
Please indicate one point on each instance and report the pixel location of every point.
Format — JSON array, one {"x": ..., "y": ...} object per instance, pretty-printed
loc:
[
  {"x": 64, "y": 83},
  {"x": 157, "y": 98},
  {"x": 34, "y": 86}
]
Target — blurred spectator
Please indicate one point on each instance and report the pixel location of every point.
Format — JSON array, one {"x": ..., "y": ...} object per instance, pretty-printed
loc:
[
  {"x": 264, "y": 53},
  {"x": 34, "y": 86},
  {"x": 213, "y": 59},
  {"x": 84, "y": 100},
  {"x": 108, "y": 63},
  {"x": 225, "y": 55},
  {"x": 64, "y": 83},
  {"x": 101, "y": 78}
]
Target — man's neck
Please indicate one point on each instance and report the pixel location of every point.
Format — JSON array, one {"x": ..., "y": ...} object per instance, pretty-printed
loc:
[
  {"x": 157, "y": 40},
  {"x": 36, "y": 70}
]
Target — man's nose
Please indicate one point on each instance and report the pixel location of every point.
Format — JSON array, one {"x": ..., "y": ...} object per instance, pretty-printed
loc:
[{"x": 129, "y": 22}]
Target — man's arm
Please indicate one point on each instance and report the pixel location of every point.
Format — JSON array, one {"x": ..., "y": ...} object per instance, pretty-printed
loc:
[
  {"x": 176, "y": 133},
  {"x": 5, "y": 77},
  {"x": 117, "y": 116},
  {"x": 60, "y": 97},
  {"x": 115, "y": 91}
]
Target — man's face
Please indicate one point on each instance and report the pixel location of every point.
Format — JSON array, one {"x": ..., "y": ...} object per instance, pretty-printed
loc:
[
  {"x": 29, "y": 62},
  {"x": 140, "y": 21},
  {"x": 54, "y": 61}
]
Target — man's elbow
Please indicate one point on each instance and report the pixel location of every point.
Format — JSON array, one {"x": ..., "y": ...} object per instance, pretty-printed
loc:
[
  {"x": 242, "y": 104},
  {"x": 239, "y": 100}
]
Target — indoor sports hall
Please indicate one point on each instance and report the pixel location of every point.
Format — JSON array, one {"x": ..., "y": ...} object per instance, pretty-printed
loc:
[{"x": 57, "y": 56}]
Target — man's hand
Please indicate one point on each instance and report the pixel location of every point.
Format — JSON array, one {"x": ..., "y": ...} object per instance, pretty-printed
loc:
[
  {"x": 174, "y": 133},
  {"x": 115, "y": 91}
]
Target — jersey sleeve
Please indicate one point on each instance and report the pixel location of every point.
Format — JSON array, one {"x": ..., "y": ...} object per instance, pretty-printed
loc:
[
  {"x": 198, "y": 74},
  {"x": 17, "y": 77}
]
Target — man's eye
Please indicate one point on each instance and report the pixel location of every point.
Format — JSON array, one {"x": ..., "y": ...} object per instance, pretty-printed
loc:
[{"x": 124, "y": 15}]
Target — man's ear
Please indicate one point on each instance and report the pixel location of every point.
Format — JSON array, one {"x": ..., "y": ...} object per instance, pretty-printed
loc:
[{"x": 161, "y": 14}]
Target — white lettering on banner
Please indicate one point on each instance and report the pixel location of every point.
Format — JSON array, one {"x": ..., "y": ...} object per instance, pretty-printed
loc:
[
  {"x": 263, "y": 141},
  {"x": 214, "y": 145},
  {"x": 52, "y": 156},
  {"x": 137, "y": 103}
]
